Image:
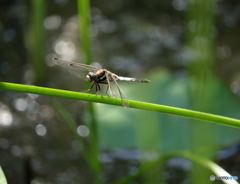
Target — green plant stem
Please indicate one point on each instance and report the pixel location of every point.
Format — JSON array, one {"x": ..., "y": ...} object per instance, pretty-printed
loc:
[
  {"x": 37, "y": 39},
  {"x": 84, "y": 17},
  {"x": 112, "y": 101}
]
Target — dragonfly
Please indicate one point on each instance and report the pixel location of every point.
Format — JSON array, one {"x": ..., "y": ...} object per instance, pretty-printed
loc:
[{"x": 98, "y": 76}]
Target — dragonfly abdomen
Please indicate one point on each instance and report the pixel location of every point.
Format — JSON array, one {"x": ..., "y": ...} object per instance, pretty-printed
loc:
[{"x": 133, "y": 79}]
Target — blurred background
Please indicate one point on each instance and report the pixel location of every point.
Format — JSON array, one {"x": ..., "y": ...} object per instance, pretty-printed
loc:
[{"x": 189, "y": 51}]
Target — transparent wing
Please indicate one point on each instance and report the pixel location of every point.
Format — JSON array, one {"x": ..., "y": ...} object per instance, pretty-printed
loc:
[
  {"x": 122, "y": 95},
  {"x": 78, "y": 69}
]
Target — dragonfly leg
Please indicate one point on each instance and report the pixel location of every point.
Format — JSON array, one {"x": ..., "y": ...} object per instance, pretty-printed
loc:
[
  {"x": 90, "y": 87},
  {"x": 96, "y": 88},
  {"x": 107, "y": 91}
]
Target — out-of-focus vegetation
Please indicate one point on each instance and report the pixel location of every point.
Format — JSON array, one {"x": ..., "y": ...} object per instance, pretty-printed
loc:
[{"x": 189, "y": 51}]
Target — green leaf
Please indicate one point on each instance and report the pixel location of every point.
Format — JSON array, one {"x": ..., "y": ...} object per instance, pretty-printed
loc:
[{"x": 2, "y": 177}]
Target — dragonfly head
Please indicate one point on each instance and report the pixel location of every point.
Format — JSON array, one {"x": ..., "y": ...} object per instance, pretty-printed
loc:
[{"x": 90, "y": 76}]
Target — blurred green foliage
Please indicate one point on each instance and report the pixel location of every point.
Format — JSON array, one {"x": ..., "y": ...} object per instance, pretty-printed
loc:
[{"x": 131, "y": 37}]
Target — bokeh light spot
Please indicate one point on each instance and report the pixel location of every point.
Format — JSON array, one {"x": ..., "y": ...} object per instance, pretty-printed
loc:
[
  {"x": 83, "y": 131},
  {"x": 20, "y": 104},
  {"x": 41, "y": 130},
  {"x": 52, "y": 22}
]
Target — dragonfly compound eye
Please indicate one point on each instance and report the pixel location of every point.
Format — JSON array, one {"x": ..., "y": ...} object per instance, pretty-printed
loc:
[{"x": 88, "y": 78}]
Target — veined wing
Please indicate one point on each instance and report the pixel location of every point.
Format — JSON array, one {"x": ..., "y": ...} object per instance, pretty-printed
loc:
[
  {"x": 110, "y": 78},
  {"x": 78, "y": 69}
]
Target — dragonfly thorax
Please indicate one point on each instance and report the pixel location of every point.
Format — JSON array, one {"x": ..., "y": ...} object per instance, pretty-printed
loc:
[{"x": 97, "y": 76}]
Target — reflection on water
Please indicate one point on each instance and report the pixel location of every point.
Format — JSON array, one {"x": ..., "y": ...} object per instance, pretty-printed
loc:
[
  {"x": 52, "y": 22},
  {"x": 41, "y": 130},
  {"x": 20, "y": 104},
  {"x": 5, "y": 115},
  {"x": 5, "y": 118},
  {"x": 4, "y": 143},
  {"x": 17, "y": 151},
  {"x": 83, "y": 131},
  {"x": 64, "y": 48}
]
